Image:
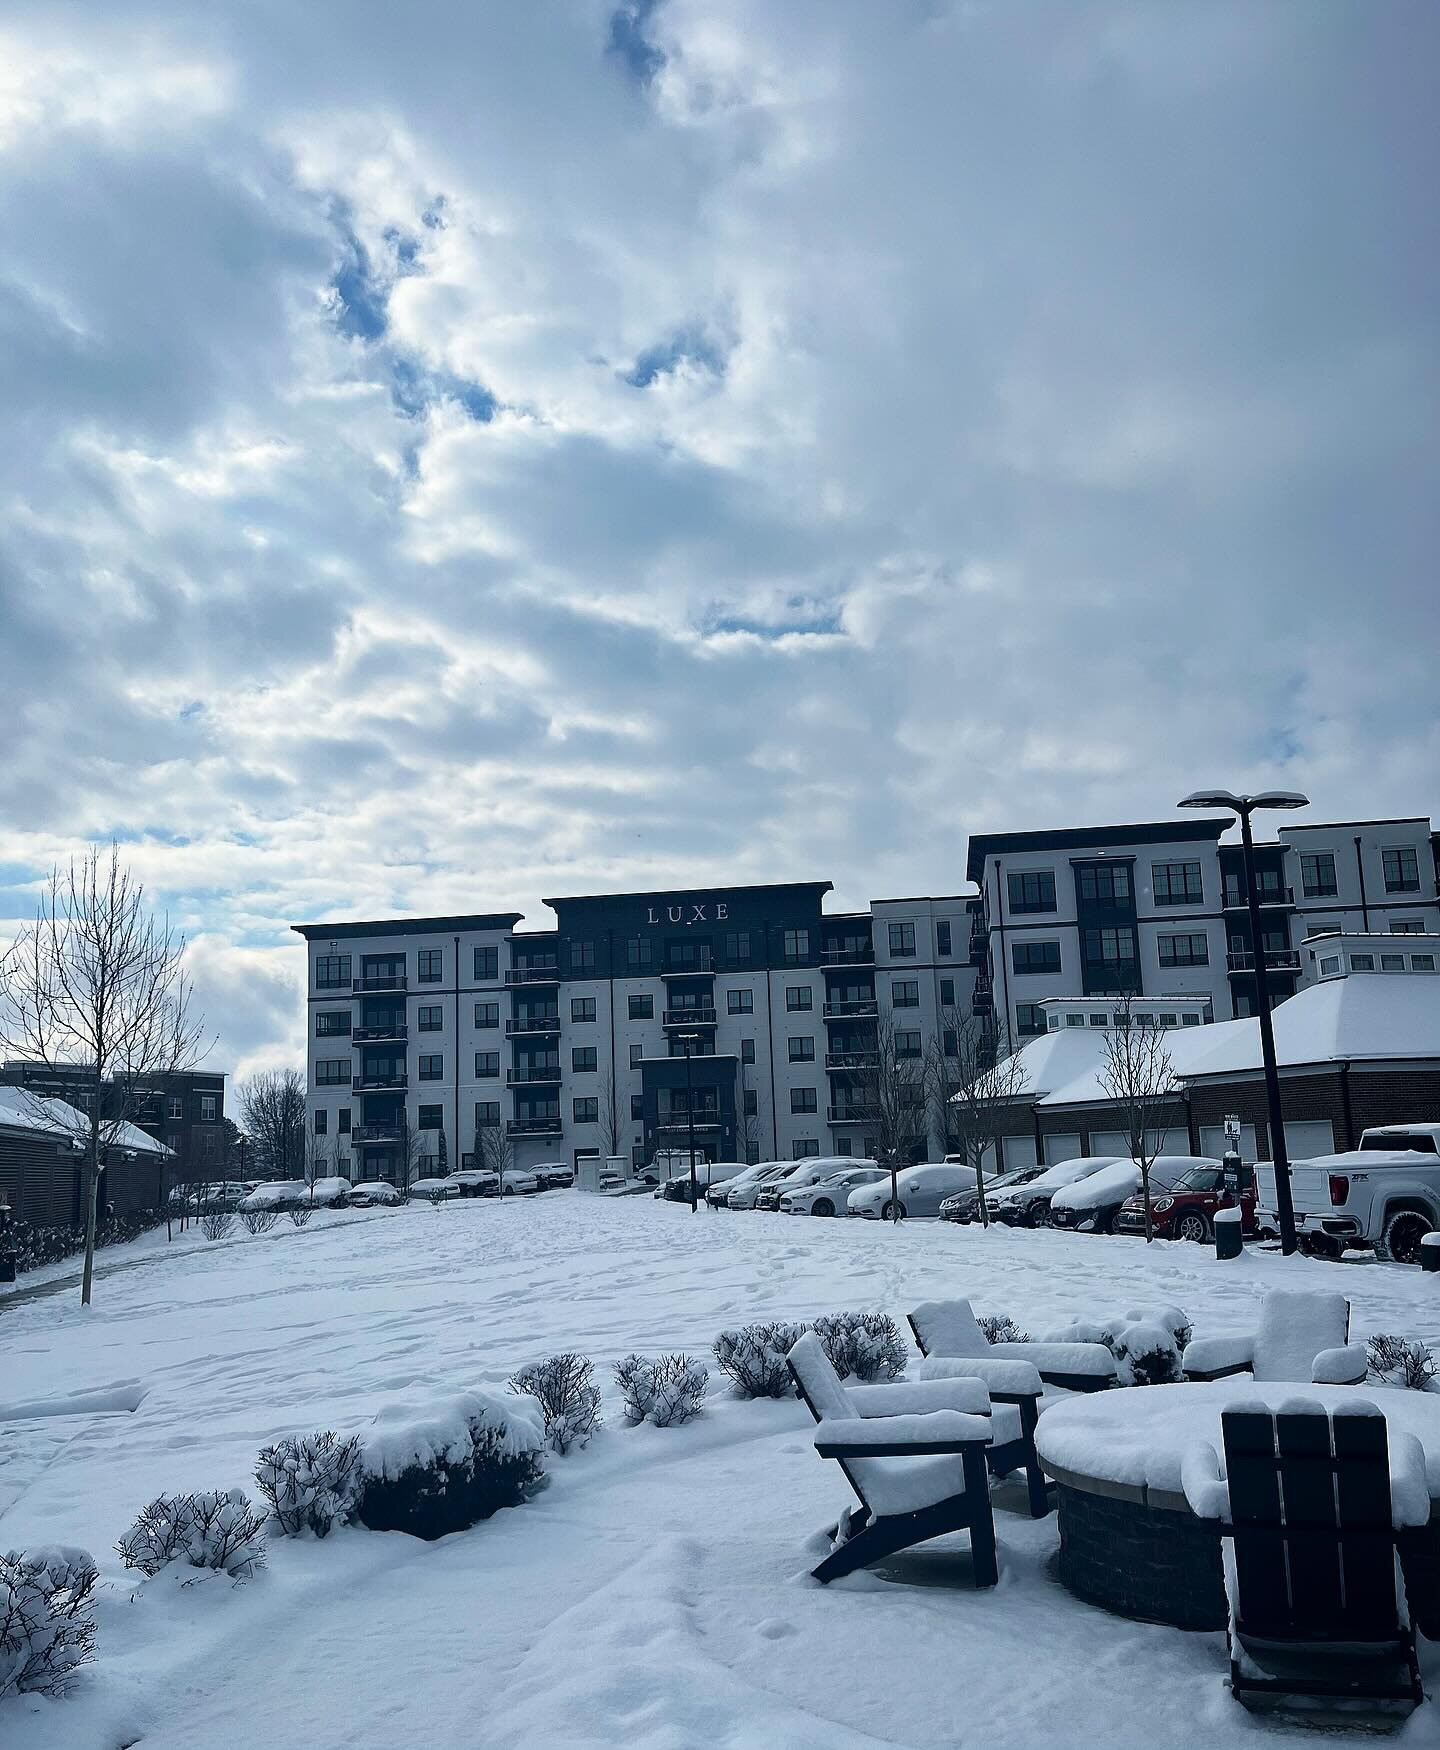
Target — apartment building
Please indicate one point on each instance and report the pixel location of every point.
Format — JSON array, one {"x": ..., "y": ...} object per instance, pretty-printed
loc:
[
  {"x": 750, "y": 1009},
  {"x": 1160, "y": 908}
]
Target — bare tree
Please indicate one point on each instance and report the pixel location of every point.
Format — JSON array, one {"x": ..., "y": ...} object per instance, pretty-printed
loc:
[
  {"x": 412, "y": 1150},
  {"x": 892, "y": 1099},
  {"x": 748, "y": 1122},
  {"x": 979, "y": 1086},
  {"x": 96, "y": 987},
  {"x": 496, "y": 1151},
  {"x": 1137, "y": 1073},
  {"x": 272, "y": 1110},
  {"x": 611, "y": 1127}
]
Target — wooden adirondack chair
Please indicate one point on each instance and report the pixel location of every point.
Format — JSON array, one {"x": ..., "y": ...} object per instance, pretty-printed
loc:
[
  {"x": 1303, "y": 1335},
  {"x": 948, "y": 1328}
]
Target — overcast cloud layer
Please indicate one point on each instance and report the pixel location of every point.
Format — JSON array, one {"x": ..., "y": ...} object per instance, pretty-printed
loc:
[{"x": 454, "y": 453}]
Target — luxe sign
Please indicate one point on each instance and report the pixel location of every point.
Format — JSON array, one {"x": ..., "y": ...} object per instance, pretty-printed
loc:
[{"x": 694, "y": 912}]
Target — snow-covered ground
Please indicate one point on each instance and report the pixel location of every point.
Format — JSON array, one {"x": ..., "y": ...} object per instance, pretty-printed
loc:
[{"x": 657, "y": 1593}]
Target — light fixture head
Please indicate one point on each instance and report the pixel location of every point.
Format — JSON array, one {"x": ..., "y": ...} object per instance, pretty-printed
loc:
[
  {"x": 1280, "y": 799},
  {"x": 1212, "y": 799}
]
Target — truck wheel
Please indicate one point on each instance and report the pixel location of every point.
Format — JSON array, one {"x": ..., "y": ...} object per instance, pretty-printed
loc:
[
  {"x": 1192, "y": 1225},
  {"x": 1399, "y": 1241}
]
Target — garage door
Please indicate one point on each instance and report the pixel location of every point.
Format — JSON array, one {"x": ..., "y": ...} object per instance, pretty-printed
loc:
[
  {"x": 1117, "y": 1142},
  {"x": 1212, "y": 1141},
  {"x": 1305, "y": 1140},
  {"x": 1061, "y": 1148},
  {"x": 1019, "y": 1152}
]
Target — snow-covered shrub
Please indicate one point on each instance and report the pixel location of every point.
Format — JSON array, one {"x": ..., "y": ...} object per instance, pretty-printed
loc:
[
  {"x": 216, "y": 1223},
  {"x": 1400, "y": 1361},
  {"x": 47, "y": 1619},
  {"x": 36, "y": 1245},
  {"x": 753, "y": 1358},
  {"x": 216, "y": 1529},
  {"x": 999, "y": 1328},
  {"x": 563, "y": 1386},
  {"x": 309, "y": 1480},
  {"x": 300, "y": 1213},
  {"x": 1147, "y": 1354},
  {"x": 259, "y": 1221},
  {"x": 433, "y": 1468},
  {"x": 666, "y": 1391},
  {"x": 867, "y": 1344}
]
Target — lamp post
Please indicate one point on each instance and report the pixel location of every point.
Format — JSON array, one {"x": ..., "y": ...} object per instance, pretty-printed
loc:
[
  {"x": 687, "y": 1039},
  {"x": 1244, "y": 807}
]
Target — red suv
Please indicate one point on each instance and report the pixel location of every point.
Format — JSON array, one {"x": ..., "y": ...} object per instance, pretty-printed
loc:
[{"x": 1187, "y": 1210}]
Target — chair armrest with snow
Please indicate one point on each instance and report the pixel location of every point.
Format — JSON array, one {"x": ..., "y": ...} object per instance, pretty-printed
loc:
[
  {"x": 917, "y": 1397},
  {"x": 1202, "y": 1477},
  {"x": 1218, "y": 1357},
  {"x": 909, "y": 1436},
  {"x": 1346, "y": 1365},
  {"x": 1006, "y": 1381}
]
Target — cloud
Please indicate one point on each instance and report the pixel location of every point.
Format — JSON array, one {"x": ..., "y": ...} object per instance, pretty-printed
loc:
[{"x": 486, "y": 453}]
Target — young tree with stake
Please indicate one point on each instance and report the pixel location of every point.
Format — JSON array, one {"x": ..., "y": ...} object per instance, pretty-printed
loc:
[
  {"x": 892, "y": 1090},
  {"x": 1138, "y": 1075},
  {"x": 978, "y": 1088}
]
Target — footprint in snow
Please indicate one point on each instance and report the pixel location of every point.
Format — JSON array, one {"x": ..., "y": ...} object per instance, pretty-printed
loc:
[{"x": 775, "y": 1628}]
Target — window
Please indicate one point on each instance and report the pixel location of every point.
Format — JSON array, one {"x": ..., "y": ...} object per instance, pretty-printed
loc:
[
  {"x": 1105, "y": 884},
  {"x": 487, "y": 963},
  {"x": 343, "y": 1117},
  {"x": 1189, "y": 1020},
  {"x": 905, "y": 993},
  {"x": 209, "y": 1108},
  {"x": 586, "y": 1111},
  {"x": 176, "y": 1106},
  {"x": 902, "y": 941},
  {"x": 1330, "y": 963},
  {"x": 582, "y": 957},
  {"x": 1392, "y": 962},
  {"x": 752, "y": 1103},
  {"x": 637, "y": 1106},
  {"x": 1097, "y": 1020},
  {"x": 1032, "y": 890},
  {"x": 907, "y": 1045},
  {"x": 332, "y": 972},
  {"x": 429, "y": 1018},
  {"x": 803, "y": 1147},
  {"x": 330, "y": 1072},
  {"x": 322, "y": 1119},
  {"x": 1176, "y": 883},
  {"x": 487, "y": 1063},
  {"x": 1169, "y": 1020},
  {"x": 582, "y": 1008},
  {"x": 951, "y": 1042},
  {"x": 1322, "y": 927},
  {"x": 798, "y": 996},
  {"x": 429, "y": 969},
  {"x": 1402, "y": 869},
  {"x": 1110, "y": 947},
  {"x": 747, "y": 1051},
  {"x": 1074, "y": 1020},
  {"x": 740, "y": 1002},
  {"x": 583, "y": 1057},
  {"x": 1422, "y": 962},
  {"x": 1035, "y": 956},
  {"x": 1184, "y": 950},
  {"x": 487, "y": 1112},
  {"x": 487, "y": 1015},
  {"x": 802, "y": 1049},
  {"x": 432, "y": 1118},
  {"x": 947, "y": 993},
  {"x": 329, "y": 1023},
  {"x": 637, "y": 1055},
  {"x": 642, "y": 1008},
  {"x": 432, "y": 1068},
  {"x": 637, "y": 953},
  {"x": 803, "y": 1100},
  {"x": 737, "y": 947},
  {"x": 1407, "y": 926},
  {"x": 1317, "y": 874},
  {"x": 797, "y": 945},
  {"x": 1029, "y": 1018},
  {"x": 1362, "y": 962}
]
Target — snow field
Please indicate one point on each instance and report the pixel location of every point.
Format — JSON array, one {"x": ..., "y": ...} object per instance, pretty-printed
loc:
[{"x": 657, "y": 1592}]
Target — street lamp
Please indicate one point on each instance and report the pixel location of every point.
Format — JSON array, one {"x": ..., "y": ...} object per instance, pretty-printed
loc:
[
  {"x": 687, "y": 1039},
  {"x": 1244, "y": 807}
]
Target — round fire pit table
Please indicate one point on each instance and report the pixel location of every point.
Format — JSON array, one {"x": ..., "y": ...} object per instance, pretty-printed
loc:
[{"x": 1128, "y": 1539}]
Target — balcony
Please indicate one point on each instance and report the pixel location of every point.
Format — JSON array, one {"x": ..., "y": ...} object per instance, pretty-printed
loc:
[
  {"x": 979, "y": 947},
  {"x": 864, "y": 955},
  {"x": 523, "y": 975},
  {"x": 1276, "y": 960},
  {"x": 379, "y": 1035},
  {"x": 850, "y": 1115},
  {"x": 703, "y": 1121},
  {"x": 388, "y": 1132},
  {"x": 1235, "y": 900},
  {"x": 688, "y": 1018},
  {"x": 527, "y": 1074},
  {"x": 533, "y": 1126},
  {"x": 852, "y": 1060},
  {"x": 851, "y": 1008},
  {"x": 519, "y": 1024},
  {"x": 982, "y": 1000},
  {"x": 375, "y": 1084},
  {"x": 703, "y": 966},
  {"x": 380, "y": 981}
]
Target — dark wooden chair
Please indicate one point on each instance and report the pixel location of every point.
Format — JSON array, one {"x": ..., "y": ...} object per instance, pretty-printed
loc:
[
  {"x": 917, "y": 1472},
  {"x": 1315, "y": 1612}
]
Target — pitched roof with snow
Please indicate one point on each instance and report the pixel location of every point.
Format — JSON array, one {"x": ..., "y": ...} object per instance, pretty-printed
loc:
[{"x": 20, "y": 1109}]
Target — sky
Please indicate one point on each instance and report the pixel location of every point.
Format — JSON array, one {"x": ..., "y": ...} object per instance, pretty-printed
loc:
[{"x": 452, "y": 454}]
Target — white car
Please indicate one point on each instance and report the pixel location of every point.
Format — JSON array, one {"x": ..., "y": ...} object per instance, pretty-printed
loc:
[
  {"x": 717, "y": 1194},
  {"x": 830, "y": 1196},
  {"x": 372, "y": 1193},
  {"x": 434, "y": 1190},
  {"x": 1028, "y": 1205},
  {"x": 518, "y": 1182},
  {"x": 476, "y": 1181},
  {"x": 676, "y": 1189},
  {"x": 921, "y": 1189},
  {"x": 743, "y": 1193},
  {"x": 808, "y": 1171}
]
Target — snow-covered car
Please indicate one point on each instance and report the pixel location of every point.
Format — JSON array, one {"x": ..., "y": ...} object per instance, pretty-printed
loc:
[
  {"x": 1091, "y": 1204},
  {"x": 435, "y": 1190},
  {"x": 373, "y": 1194},
  {"x": 830, "y": 1196},
  {"x": 744, "y": 1191},
  {"x": 921, "y": 1190},
  {"x": 518, "y": 1181},
  {"x": 964, "y": 1206},
  {"x": 554, "y": 1175},
  {"x": 717, "y": 1195},
  {"x": 1028, "y": 1205},
  {"x": 1188, "y": 1209},
  {"x": 809, "y": 1171},
  {"x": 476, "y": 1181},
  {"x": 223, "y": 1194},
  {"x": 707, "y": 1173},
  {"x": 290, "y": 1193}
]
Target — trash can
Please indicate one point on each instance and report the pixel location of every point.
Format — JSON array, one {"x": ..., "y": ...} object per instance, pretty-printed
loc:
[
  {"x": 1229, "y": 1233},
  {"x": 1430, "y": 1253}
]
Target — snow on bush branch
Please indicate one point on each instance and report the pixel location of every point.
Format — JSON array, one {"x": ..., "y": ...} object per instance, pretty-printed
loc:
[
  {"x": 1000, "y": 1328},
  {"x": 754, "y": 1358},
  {"x": 213, "y": 1529},
  {"x": 866, "y": 1344},
  {"x": 562, "y": 1386},
  {"x": 47, "y": 1619},
  {"x": 1400, "y": 1361},
  {"x": 666, "y": 1391},
  {"x": 309, "y": 1480}
]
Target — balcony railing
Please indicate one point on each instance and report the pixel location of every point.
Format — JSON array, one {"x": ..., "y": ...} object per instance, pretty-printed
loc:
[
  {"x": 850, "y": 1008},
  {"x": 380, "y": 981},
  {"x": 532, "y": 975},
  {"x": 371, "y": 1084},
  {"x": 703, "y": 1121},
  {"x": 688, "y": 1018},
  {"x": 849, "y": 1114},
  {"x": 531, "y": 1024},
  {"x": 526, "y": 1073},
  {"x": 700, "y": 967},
  {"x": 533, "y": 1126},
  {"x": 851, "y": 1059},
  {"x": 1234, "y": 897},
  {"x": 863, "y": 955},
  {"x": 1276, "y": 960},
  {"x": 374, "y": 1035},
  {"x": 376, "y": 1132}
]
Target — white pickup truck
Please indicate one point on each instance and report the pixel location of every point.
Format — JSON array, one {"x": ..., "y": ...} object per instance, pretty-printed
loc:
[{"x": 1384, "y": 1194}]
